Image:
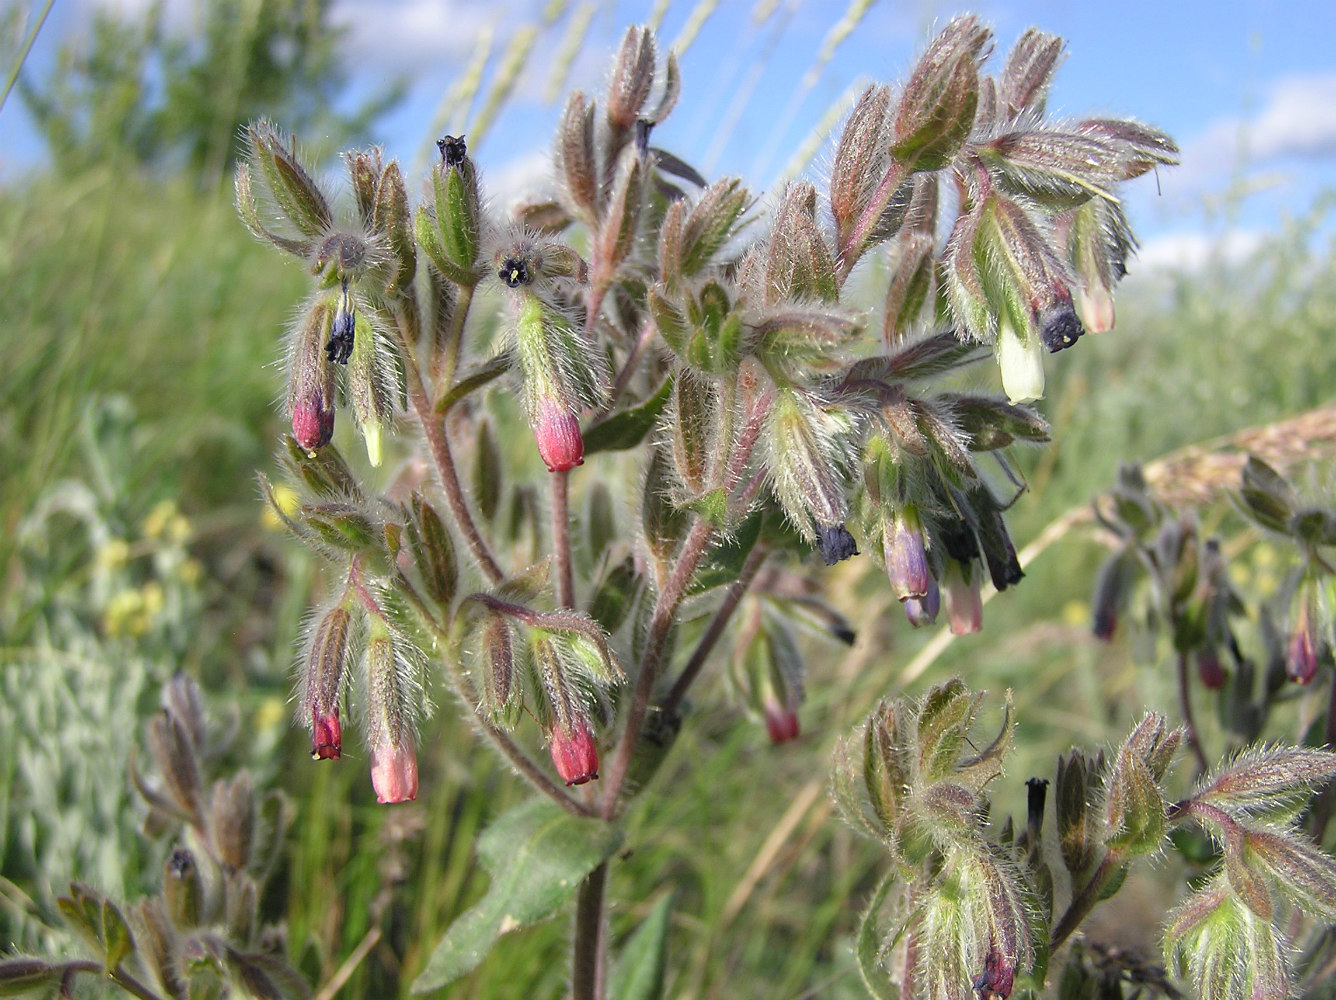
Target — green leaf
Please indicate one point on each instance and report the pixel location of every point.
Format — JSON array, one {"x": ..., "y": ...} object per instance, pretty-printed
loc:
[
  {"x": 724, "y": 562},
  {"x": 537, "y": 855},
  {"x": 116, "y": 937},
  {"x": 871, "y": 950},
  {"x": 629, "y": 427},
  {"x": 486, "y": 372},
  {"x": 639, "y": 973}
]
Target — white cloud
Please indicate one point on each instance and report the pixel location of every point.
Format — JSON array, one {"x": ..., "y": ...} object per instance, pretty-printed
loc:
[
  {"x": 1190, "y": 251},
  {"x": 423, "y": 37},
  {"x": 1296, "y": 120}
]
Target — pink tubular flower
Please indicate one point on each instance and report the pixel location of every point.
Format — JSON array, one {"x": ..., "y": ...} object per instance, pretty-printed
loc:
[
  {"x": 312, "y": 422},
  {"x": 998, "y": 976},
  {"x": 558, "y": 433},
  {"x": 574, "y": 755},
  {"x": 963, "y": 601},
  {"x": 326, "y": 736},
  {"x": 906, "y": 561},
  {"x": 394, "y": 773},
  {"x": 923, "y": 610}
]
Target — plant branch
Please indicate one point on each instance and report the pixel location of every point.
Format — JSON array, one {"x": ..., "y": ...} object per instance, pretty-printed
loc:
[
  {"x": 1085, "y": 900},
  {"x": 1185, "y": 707},
  {"x": 1326, "y": 799},
  {"x": 448, "y": 363},
  {"x": 715, "y": 630},
  {"x": 647, "y": 332},
  {"x": 117, "y": 975},
  {"x": 433, "y": 429},
  {"x": 561, "y": 537},
  {"x": 665, "y": 612}
]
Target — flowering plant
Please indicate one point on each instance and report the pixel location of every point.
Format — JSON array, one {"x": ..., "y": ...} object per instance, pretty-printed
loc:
[{"x": 706, "y": 366}]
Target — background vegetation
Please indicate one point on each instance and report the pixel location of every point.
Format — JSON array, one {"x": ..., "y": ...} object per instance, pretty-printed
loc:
[{"x": 136, "y": 398}]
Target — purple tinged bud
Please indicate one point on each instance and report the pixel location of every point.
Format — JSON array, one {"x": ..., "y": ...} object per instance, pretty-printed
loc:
[
  {"x": 835, "y": 543},
  {"x": 781, "y": 721},
  {"x": 1301, "y": 653},
  {"x": 923, "y": 610},
  {"x": 311, "y": 381},
  {"x": 326, "y": 736},
  {"x": 906, "y": 560},
  {"x": 574, "y": 754},
  {"x": 1210, "y": 671},
  {"x": 394, "y": 772},
  {"x": 962, "y": 600},
  {"x": 998, "y": 976}
]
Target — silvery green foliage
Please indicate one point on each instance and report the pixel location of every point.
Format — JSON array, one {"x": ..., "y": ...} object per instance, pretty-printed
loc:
[{"x": 974, "y": 908}]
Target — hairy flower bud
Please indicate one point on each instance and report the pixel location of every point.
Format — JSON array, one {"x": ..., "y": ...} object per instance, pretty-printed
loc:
[
  {"x": 937, "y": 106},
  {"x": 323, "y": 679},
  {"x": 183, "y": 889},
  {"x": 311, "y": 379},
  {"x": 574, "y": 754}
]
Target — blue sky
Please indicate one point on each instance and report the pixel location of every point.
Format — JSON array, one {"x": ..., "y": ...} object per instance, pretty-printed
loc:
[{"x": 1247, "y": 87}]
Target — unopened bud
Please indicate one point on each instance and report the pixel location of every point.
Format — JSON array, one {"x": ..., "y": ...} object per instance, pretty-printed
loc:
[
  {"x": 781, "y": 721},
  {"x": 1301, "y": 653},
  {"x": 937, "y": 107},
  {"x": 962, "y": 599},
  {"x": 574, "y": 754},
  {"x": 1094, "y": 303},
  {"x": 311, "y": 380},
  {"x": 1210, "y": 671},
  {"x": 557, "y": 432},
  {"x": 998, "y": 976},
  {"x": 394, "y": 772},
  {"x": 183, "y": 889},
  {"x": 632, "y": 78}
]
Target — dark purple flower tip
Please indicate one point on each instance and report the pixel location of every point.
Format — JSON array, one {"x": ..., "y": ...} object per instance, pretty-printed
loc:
[
  {"x": 835, "y": 543},
  {"x": 340, "y": 346},
  {"x": 997, "y": 979},
  {"x": 453, "y": 150},
  {"x": 1301, "y": 654},
  {"x": 514, "y": 272},
  {"x": 1059, "y": 326}
]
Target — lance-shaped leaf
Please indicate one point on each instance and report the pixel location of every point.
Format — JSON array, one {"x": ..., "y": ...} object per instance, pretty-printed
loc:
[
  {"x": 625, "y": 429},
  {"x": 1297, "y": 867},
  {"x": 1270, "y": 782},
  {"x": 641, "y": 967},
  {"x": 1029, "y": 71},
  {"x": 537, "y": 855},
  {"x": 1224, "y": 949}
]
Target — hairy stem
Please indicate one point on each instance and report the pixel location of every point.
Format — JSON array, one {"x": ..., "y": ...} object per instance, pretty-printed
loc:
[
  {"x": 715, "y": 630},
  {"x": 1084, "y": 901},
  {"x": 561, "y": 538},
  {"x": 449, "y": 360},
  {"x": 588, "y": 962},
  {"x": 117, "y": 975},
  {"x": 433, "y": 429},
  {"x": 1326, "y": 800},
  {"x": 1185, "y": 706}
]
